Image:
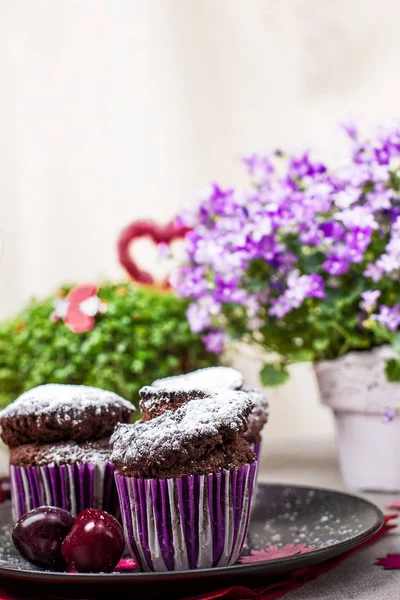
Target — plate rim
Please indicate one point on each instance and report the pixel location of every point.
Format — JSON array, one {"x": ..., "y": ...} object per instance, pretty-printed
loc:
[{"x": 142, "y": 577}]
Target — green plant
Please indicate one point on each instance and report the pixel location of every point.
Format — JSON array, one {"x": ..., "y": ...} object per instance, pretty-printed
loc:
[{"x": 143, "y": 335}]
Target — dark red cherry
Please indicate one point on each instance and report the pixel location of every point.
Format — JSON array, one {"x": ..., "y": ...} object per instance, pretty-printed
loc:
[
  {"x": 39, "y": 534},
  {"x": 95, "y": 543}
]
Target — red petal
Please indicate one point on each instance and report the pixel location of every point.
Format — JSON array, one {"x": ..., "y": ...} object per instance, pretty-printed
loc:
[
  {"x": 82, "y": 292},
  {"x": 391, "y": 561},
  {"x": 272, "y": 553}
]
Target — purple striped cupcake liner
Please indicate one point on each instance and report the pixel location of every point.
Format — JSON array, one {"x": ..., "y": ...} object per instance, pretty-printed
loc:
[
  {"x": 73, "y": 487},
  {"x": 257, "y": 447},
  {"x": 192, "y": 522}
]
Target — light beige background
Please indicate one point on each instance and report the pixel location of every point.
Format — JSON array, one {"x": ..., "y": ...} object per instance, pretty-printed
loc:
[{"x": 118, "y": 109}]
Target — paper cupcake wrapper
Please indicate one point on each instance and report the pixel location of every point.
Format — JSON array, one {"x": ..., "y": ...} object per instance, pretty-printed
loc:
[
  {"x": 257, "y": 447},
  {"x": 185, "y": 523},
  {"x": 73, "y": 487}
]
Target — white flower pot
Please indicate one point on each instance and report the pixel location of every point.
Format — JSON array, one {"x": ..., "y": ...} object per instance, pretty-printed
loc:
[{"x": 356, "y": 388}]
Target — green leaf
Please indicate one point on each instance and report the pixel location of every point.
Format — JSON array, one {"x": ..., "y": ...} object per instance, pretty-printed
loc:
[
  {"x": 273, "y": 375},
  {"x": 312, "y": 262},
  {"x": 396, "y": 341},
  {"x": 321, "y": 344},
  {"x": 393, "y": 369},
  {"x": 369, "y": 186},
  {"x": 302, "y": 355},
  {"x": 350, "y": 297}
]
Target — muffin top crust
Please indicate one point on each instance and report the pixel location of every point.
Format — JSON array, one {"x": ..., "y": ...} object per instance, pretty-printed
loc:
[
  {"x": 55, "y": 412},
  {"x": 203, "y": 436},
  {"x": 154, "y": 401},
  {"x": 258, "y": 416},
  {"x": 60, "y": 453}
]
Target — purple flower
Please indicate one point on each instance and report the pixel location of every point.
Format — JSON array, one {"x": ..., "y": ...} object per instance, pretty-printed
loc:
[
  {"x": 214, "y": 341},
  {"x": 259, "y": 167},
  {"x": 228, "y": 290},
  {"x": 332, "y": 229},
  {"x": 336, "y": 265},
  {"x": 280, "y": 307},
  {"x": 313, "y": 286},
  {"x": 374, "y": 272},
  {"x": 390, "y": 260},
  {"x": 357, "y": 241},
  {"x": 350, "y": 128},
  {"x": 388, "y": 263},
  {"x": 380, "y": 200},
  {"x": 389, "y": 414},
  {"x": 311, "y": 235},
  {"x": 198, "y": 317},
  {"x": 357, "y": 216},
  {"x": 302, "y": 166},
  {"x": 345, "y": 198},
  {"x": 382, "y": 154},
  {"x": 299, "y": 288},
  {"x": 388, "y": 317},
  {"x": 190, "y": 282},
  {"x": 186, "y": 218},
  {"x": 369, "y": 299},
  {"x": 363, "y": 153},
  {"x": 222, "y": 202},
  {"x": 201, "y": 313}
]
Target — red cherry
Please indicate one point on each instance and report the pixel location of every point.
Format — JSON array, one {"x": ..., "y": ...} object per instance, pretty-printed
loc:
[
  {"x": 39, "y": 534},
  {"x": 95, "y": 543}
]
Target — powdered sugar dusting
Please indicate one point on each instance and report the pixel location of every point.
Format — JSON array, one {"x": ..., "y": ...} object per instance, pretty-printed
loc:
[
  {"x": 58, "y": 398},
  {"x": 159, "y": 392},
  {"x": 221, "y": 412},
  {"x": 204, "y": 379},
  {"x": 63, "y": 453},
  {"x": 153, "y": 398}
]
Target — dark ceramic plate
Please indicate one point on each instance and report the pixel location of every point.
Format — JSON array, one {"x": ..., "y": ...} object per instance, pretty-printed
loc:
[{"x": 330, "y": 522}]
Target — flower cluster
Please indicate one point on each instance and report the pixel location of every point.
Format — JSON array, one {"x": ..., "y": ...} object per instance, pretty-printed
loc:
[{"x": 306, "y": 260}]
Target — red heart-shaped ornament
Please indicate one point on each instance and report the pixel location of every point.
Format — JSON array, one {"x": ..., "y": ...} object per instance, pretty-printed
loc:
[{"x": 166, "y": 234}]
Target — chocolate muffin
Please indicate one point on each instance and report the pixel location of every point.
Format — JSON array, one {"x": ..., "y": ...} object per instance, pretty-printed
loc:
[
  {"x": 204, "y": 435},
  {"x": 185, "y": 481},
  {"x": 55, "y": 412},
  {"x": 172, "y": 392},
  {"x": 58, "y": 437},
  {"x": 211, "y": 378},
  {"x": 258, "y": 416}
]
